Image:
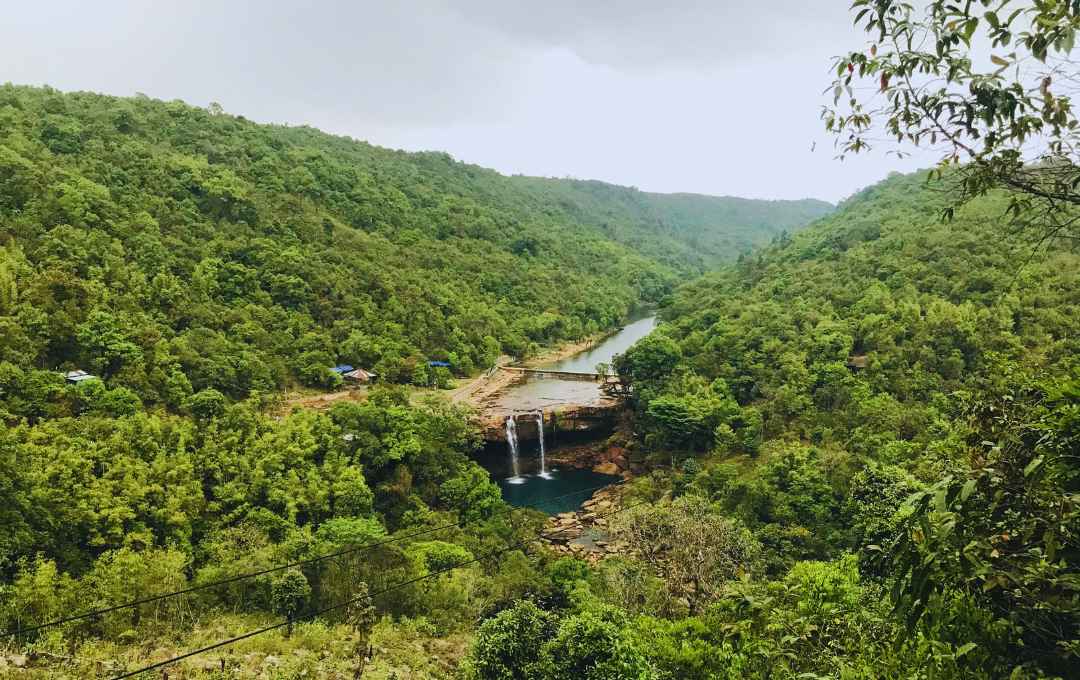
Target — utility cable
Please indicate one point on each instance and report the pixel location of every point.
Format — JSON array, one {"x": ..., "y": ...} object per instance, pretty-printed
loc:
[
  {"x": 396, "y": 586},
  {"x": 270, "y": 570}
]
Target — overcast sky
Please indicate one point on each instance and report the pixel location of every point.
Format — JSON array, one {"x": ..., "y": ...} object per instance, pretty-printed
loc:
[{"x": 685, "y": 95}]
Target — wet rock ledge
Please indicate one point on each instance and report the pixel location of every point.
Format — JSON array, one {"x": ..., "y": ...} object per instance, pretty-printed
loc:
[{"x": 599, "y": 416}]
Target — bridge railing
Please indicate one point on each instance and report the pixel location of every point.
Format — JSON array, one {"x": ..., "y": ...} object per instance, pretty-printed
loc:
[{"x": 565, "y": 375}]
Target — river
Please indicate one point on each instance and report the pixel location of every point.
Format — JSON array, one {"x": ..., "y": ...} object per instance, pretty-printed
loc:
[
  {"x": 606, "y": 350},
  {"x": 544, "y": 393},
  {"x": 564, "y": 488}
]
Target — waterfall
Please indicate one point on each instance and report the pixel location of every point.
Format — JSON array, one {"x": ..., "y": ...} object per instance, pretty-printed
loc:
[
  {"x": 540, "y": 428},
  {"x": 512, "y": 440}
]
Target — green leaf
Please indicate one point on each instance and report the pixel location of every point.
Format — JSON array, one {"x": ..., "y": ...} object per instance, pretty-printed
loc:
[
  {"x": 969, "y": 487},
  {"x": 969, "y": 29},
  {"x": 965, "y": 648},
  {"x": 1033, "y": 466},
  {"x": 1068, "y": 41}
]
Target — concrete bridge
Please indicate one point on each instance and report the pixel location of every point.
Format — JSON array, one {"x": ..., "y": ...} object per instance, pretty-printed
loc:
[{"x": 562, "y": 375}]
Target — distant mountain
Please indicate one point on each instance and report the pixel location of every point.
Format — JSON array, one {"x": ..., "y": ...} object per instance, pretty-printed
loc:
[{"x": 678, "y": 228}]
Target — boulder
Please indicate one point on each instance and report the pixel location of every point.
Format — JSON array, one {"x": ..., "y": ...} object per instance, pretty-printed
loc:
[{"x": 606, "y": 469}]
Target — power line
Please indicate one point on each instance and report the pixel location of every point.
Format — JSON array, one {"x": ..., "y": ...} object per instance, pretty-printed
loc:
[
  {"x": 396, "y": 586},
  {"x": 270, "y": 570}
]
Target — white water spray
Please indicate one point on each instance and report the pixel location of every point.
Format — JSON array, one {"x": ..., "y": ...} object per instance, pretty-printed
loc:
[
  {"x": 540, "y": 426},
  {"x": 512, "y": 440}
]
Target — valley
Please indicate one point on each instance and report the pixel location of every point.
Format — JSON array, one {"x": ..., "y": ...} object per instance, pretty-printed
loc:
[{"x": 278, "y": 403}]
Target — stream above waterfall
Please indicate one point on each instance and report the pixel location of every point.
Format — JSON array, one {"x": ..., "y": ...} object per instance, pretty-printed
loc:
[{"x": 542, "y": 393}]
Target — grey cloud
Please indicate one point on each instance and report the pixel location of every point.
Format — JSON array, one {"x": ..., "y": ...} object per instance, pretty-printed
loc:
[
  {"x": 650, "y": 35},
  {"x": 685, "y": 95},
  {"x": 407, "y": 62}
]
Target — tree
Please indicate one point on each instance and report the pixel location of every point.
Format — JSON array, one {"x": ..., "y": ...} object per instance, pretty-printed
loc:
[
  {"x": 508, "y": 646},
  {"x": 433, "y": 557},
  {"x": 472, "y": 494},
  {"x": 106, "y": 344},
  {"x": 289, "y": 595},
  {"x": 595, "y": 645},
  {"x": 361, "y": 615},
  {"x": 442, "y": 377},
  {"x": 1004, "y": 532},
  {"x": 650, "y": 359},
  {"x": 15, "y": 508},
  {"x": 420, "y": 375},
  {"x": 690, "y": 412},
  {"x": 694, "y": 547},
  {"x": 986, "y": 84},
  {"x": 207, "y": 404},
  {"x": 351, "y": 495}
]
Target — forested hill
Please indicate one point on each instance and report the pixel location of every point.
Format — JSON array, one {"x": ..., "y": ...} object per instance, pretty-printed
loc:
[
  {"x": 855, "y": 332},
  {"x": 172, "y": 249},
  {"x": 892, "y": 403},
  {"x": 696, "y": 216},
  {"x": 709, "y": 230}
]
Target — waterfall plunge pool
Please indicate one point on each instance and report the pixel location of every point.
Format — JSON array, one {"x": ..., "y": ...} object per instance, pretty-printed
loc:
[{"x": 562, "y": 490}]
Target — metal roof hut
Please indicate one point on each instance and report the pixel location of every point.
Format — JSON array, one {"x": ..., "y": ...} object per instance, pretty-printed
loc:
[
  {"x": 858, "y": 362},
  {"x": 360, "y": 375},
  {"x": 76, "y": 377},
  {"x": 341, "y": 369}
]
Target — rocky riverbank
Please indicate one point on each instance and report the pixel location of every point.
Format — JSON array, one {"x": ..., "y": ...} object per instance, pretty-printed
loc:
[{"x": 585, "y": 534}]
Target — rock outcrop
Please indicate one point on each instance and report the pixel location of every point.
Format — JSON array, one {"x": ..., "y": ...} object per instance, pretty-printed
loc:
[
  {"x": 596, "y": 417},
  {"x": 585, "y": 534}
]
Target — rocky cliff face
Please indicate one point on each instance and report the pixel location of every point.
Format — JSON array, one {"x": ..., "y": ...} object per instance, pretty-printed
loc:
[
  {"x": 567, "y": 418},
  {"x": 603, "y": 457}
]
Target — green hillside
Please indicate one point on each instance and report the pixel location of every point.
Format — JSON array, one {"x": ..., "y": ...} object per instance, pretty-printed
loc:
[
  {"x": 888, "y": 403},
  {"x": 695, "y": 218},
  {"x": 677, "y": 228},
  {"x": 201, "y": 264},
  {"x": 854, "y": 448},
  {"x": 172, "y": 249}
]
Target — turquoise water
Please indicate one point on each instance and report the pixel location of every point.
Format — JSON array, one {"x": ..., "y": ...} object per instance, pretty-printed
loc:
[{"x": 564, "y": 491}]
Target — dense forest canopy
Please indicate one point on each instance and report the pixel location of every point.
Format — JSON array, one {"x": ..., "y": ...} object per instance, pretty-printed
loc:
[
  {"x": 889, "y": 403},
  {"x": 171, "y": 249},
  {"x": 856, "y": 445},
  {"x": 711, "y": 230},
  {"x": 198, "y": 264}
]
